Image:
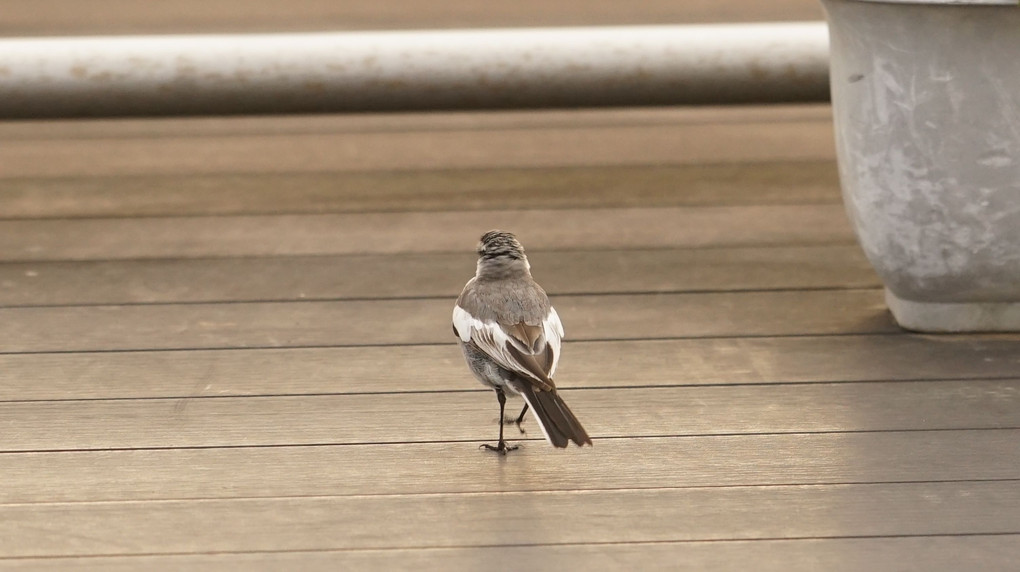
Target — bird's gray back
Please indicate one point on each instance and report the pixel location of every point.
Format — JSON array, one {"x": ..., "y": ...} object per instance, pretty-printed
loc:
[{"x": 505, "y": 301}]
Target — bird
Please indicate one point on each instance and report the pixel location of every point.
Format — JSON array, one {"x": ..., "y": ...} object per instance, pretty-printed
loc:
[{"x": 511, "y": 336}]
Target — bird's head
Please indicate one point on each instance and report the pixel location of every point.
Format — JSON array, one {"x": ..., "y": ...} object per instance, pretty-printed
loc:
[{"x": 499, "y": 244}]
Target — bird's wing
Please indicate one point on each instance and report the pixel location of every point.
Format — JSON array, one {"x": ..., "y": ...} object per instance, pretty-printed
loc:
[
  {"x": 531, "y": 351},
  {"x": 554, "y": 335}
]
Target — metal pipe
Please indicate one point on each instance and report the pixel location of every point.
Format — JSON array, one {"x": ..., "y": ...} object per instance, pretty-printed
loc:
[{"x": 417, "y": 70}]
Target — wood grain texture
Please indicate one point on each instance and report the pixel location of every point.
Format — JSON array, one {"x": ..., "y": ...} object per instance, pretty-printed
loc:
[
  {"x": 420, "y": 521},
  {"x": 399, "y": 321},
  {"x": 392, "y": 369},
  {"x": 427, "y": 468},
  {"x": 989, "y": 553},
  {"x": 285, "y": 125},
  {"x": 426, "y": 275},
  {"x": 471, "y": 416},
  {"x": 390, "y": 233},
  {"x": 802, "y": 182},
  {"x": 257, "y": 153},
  {"x": 49, "y": 17}
]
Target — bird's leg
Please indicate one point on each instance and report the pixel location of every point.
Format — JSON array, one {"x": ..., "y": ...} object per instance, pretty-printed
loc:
[
  {"x": 500, "y": 447},
  {"x": 520, "y": 418}
]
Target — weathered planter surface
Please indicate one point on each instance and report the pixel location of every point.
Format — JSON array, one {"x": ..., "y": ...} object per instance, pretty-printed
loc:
[{"x": 926, "y": 98}]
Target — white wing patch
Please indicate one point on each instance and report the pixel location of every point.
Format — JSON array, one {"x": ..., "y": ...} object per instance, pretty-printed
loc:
[
  {"x": 463, "y": 322},
  {"x": 554, "y": 334},
  {"x": 491, "y": 339}
]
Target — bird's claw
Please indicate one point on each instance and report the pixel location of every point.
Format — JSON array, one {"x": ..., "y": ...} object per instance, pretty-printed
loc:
[{"x": 500, "y": 447}]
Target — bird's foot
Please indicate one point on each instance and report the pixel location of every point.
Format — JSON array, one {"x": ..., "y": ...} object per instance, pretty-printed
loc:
[{"x": 500, "y": 447}]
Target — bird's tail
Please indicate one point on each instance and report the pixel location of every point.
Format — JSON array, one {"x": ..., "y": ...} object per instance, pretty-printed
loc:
[{"x": 554, "y": 417}]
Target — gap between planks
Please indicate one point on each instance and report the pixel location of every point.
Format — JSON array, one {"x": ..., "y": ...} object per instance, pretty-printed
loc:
[
  {"x": 465, "y": 520},
  {"x": 434, "y": 417},
  {"x": 428, "y": 468},
  {"x": 762, "y": 183},
  {"x": 435, "y": 368},
  {"x": 397, "y": 322},
  {"x": 928, "y": 553},
  {"x": 390, "y": 233},
  {"x": 795, "y": 140},
  {"x": 424, "y": 275}
]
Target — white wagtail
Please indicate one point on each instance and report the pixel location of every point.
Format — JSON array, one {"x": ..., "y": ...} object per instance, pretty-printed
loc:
[{"x": 510, "y": 335}]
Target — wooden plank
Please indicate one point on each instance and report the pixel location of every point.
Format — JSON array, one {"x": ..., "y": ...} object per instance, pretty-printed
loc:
[
  {"x": 716, "y": 361},
  {"x": 803, "y": 182},
  {"x": 466, "y": 149},
  {"x": 727, "y": 460},
  {"x": 426, "y": 275},
  {"x": 52, "y": 17},
  {"x": 988, "y": 553},
  {"x": 420, "y": 521},
  {"x": 389, "y": 233},
  {"x": 141, "y": 127},
  {"x": 470, "y": 416},
  {"x": 427, "y": 321}
]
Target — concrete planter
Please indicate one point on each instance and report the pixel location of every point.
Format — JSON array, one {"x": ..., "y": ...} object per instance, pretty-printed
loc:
[{"x": 926, "y": 98}]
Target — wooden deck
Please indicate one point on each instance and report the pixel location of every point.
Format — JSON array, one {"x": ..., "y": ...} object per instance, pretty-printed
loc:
[{"x": 225, "y": 345}]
